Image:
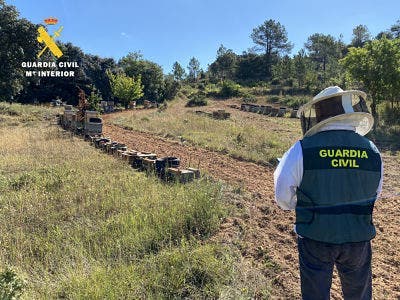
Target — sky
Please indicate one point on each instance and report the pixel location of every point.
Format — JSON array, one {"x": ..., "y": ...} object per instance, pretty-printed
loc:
[{"x": 165, "y": 31}]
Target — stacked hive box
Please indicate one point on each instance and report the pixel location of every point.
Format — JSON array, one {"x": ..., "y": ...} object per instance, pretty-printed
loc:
[
  {"x": 166, "y": 168},
  {"x": 93, "y": 124}
]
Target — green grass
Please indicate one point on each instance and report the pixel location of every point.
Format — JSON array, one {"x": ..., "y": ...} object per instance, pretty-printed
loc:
[
  {"x": 255, "y": 138},
  {"x": 190, "y": 270},
  {"x": 79, "y": 224}
]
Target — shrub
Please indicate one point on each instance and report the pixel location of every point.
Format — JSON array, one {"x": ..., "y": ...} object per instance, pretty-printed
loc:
[
  {"x": 201, "y": 86},
  {"x": 275, "y": 81},
  {"x": 171, "y": 88},
  {"x": 11, "y": 287},
  {"x": 249, "y": 98},
  {"x": 229, "y": 89},
  {"x": 197, "y": 100}
]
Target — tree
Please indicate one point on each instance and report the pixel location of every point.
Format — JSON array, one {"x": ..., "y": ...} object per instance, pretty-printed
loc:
[
  {"x": 361, "y": 35},
  {"x": 18, "y": 43},
  {"x": 395, "y": 30},
  {"x": 300, "y": 63},
  {"x": 95, "y": 68},
  {"x": 386, "y": 34},
  {"x": 171, "y": 87},
  {"x": 283, "y": 70},
  {"x": 323, "y": 49},
  {"x": 224, "y": 67},
  {"x": 125, "y": 88},
  {"x": 377, "y": 67},
  {"x": 194, "y": 69},
  {"x": 49, "y": 88},
  {"x": 271, "y": 37},
  {"x": 178, "y": 72},
  {"x": 251, "y": 66},
  {"x": 94, "y": 99},
  {"x": 151, "y": 74}
]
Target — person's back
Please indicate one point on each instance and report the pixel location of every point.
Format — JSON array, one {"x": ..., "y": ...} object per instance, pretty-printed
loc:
[
  {"x": 341, "y": 174},
  {"x": 332, "y": 178}
]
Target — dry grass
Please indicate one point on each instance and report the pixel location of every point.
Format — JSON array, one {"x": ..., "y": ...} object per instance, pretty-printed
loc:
[
  {"x": 17, "y": 114},
  {"x": 245, "y": 135}
]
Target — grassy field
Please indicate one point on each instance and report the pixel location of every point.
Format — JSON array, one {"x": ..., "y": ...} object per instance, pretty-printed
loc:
[
  {"x": 245, "y": 135},
  {"x": 79, "y": 224},
  {"x": 17, "y": 114}
]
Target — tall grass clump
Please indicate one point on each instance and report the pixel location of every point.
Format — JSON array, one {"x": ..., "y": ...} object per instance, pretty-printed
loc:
[{"x": 190, "y": 270}]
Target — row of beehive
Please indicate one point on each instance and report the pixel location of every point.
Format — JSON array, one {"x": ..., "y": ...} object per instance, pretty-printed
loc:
[
  {"x": 268, "y": 110},
  {"x": 166, "y": 168},
  {"x": 91, "y": 124}
]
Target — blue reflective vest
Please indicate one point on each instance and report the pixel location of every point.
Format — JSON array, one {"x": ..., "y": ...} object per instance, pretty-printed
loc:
[{"x": 335, "y": 199}]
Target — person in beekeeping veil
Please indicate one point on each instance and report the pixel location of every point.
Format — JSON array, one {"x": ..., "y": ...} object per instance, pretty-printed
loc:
[{"x": 332, "y": 178}]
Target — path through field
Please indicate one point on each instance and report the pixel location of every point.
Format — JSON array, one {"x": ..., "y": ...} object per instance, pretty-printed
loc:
[{"x": 265, "y": 231}]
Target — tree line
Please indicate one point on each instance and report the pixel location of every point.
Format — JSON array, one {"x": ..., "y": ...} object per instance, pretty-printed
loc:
[
  {"x": 324, "y": 60},
  {"x": 316, "y": 65},
  {"x": 18, "y": 43}
]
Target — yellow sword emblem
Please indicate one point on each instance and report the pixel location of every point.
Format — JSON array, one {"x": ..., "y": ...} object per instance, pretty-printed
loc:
[{"x": 45, "y": 38}]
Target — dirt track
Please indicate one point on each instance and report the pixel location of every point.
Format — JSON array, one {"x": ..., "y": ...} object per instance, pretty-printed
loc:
[{"x": 265, "y": 230}]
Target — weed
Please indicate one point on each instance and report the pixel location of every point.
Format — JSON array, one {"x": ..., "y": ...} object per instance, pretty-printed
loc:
[{"x": 11, "y": 286}]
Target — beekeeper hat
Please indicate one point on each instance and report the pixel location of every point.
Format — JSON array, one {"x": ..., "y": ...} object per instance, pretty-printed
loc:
[{"x": 338, "y": 106}]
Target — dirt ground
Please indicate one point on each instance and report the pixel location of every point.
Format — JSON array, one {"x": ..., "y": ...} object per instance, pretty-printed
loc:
[{"x": 265, "y": 231}]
